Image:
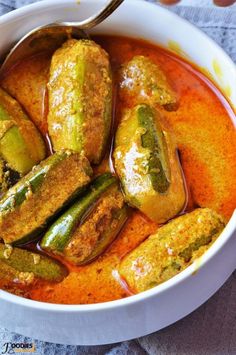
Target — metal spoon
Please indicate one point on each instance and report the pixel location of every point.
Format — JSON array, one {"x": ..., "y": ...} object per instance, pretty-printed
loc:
[{"x": 52, "y": 36}]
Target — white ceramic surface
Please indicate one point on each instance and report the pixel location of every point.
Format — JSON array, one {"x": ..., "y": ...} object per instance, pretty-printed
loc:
[{"x": 154, "y": 309}]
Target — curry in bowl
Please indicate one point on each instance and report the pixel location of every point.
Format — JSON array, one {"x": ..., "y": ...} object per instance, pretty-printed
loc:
[{"x": 115, "y": 175}]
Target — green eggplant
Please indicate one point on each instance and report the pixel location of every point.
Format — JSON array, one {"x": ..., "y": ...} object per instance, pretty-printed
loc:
[
  {"x": 173, "y": 248},
  {"x": 8, "y": 177},
  {"x": 80, "y": 98},
  {"x": 21, "y": 144},
  {"x": 89, "y": 226},
  {"x": 23, "y": 266},
  {"x": 28, "y": 207},
  {"x": 145, "y": 82},
  {"x": 147, "y": 164}
]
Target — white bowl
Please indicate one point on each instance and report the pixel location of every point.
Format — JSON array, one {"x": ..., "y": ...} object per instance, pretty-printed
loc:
[{"x": 154, "y": 309}]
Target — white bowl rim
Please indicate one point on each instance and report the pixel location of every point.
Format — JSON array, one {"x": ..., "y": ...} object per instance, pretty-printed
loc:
[{"x": 227, "y": 233}]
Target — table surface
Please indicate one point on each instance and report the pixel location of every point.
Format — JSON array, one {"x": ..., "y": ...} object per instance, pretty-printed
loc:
[{"x": 211, "y": 329}]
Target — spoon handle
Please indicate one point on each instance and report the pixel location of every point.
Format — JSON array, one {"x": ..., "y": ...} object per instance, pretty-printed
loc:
[{"x": 94, "y": 20}]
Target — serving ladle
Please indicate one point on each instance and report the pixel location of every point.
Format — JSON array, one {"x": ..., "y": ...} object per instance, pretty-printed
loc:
[{"x": 52, "y": 36}]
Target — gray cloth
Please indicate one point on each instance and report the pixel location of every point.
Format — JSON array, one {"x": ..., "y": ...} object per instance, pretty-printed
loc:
[{"x": 210, "y": 330}]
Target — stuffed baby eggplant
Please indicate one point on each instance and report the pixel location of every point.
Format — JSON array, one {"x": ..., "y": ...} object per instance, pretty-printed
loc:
[
  {"x": 145, "y": 82},
  {"x": 174, "y": 247},
  {"x": 80, "y": 99},
  {"x": 21, "y": 145},
  {"x": 26, "y": 267},
  {"x": 89, "y": 226},
  {"x": 34, "y": 201},
  {"x": 147, "y": 164}
]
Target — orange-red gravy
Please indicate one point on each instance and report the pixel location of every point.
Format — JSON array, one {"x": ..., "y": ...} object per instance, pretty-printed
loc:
[{"x": 206, "y": 140}]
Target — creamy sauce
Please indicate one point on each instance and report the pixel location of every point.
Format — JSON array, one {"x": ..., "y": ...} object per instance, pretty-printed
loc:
[{"x": 206, "y": 141}]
